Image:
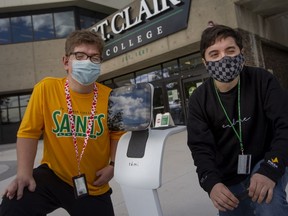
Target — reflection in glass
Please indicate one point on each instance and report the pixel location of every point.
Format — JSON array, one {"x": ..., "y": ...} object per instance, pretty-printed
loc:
[
  {"x": 13, "y": 115},
  {"x": 158, "y": 101},
  {"x": 21, "y": 29},
  {"x": 24, "y": 99},
  {"x": 9, "y": 109},
  {"x": 149, "y": 74},
  {"x": 12, "y": 108},
  {"x": 191, "y": 62},
  {"x": 22, "y": 112},
  {"x": 5, "y": 31},
  {"x": 175, "y": 103},
  {"x": 64, "y": 23},
  {"x": 3, "y": 109},
  {"x": 130, "y": 107},
  {"x": 12, "y": 101},
  {"x": 124, "y": 80},
  {"x": 170, "y": 69},
  {"x": 4, "y": 115},
  {"x": 110, "y": 84},
  {"x": 43, "y": 26},
  {"x": 87, "y": 22}
]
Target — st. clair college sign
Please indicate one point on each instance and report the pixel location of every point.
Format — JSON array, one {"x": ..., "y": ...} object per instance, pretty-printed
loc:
[{"x": 151, "y": 20}]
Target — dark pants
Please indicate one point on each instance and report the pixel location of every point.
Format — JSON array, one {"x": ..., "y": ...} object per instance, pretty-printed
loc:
[
  {"x": 277, "y": 207},
  {"x": 52, "y": 193}
]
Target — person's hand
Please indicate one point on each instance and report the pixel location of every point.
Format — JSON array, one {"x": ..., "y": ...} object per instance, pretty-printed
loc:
[
  {"x": 222, "y": 198},
  {"x": 104, "y": 176},
  {"x": 17, "y": 186},
  {"x": 261, "y": 187}
]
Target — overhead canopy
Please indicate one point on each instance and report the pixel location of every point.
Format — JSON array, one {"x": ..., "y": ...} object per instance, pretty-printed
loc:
[{"x": 266, "y": 8}]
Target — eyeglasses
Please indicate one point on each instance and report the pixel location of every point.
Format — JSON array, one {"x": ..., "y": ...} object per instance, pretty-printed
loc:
[{"x": 83, "y": 56}]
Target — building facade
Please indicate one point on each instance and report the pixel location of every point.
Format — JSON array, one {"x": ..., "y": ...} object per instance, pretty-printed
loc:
[
  {"x": 154, "y": 41},
  {"x": 162, "y": 46},
  {"x": 32, "y": 37}
]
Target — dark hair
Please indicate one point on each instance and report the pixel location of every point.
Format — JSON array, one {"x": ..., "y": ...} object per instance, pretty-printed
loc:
[
  {"x": 214, "y": 32},
  {"x": 83, "y": 36}
]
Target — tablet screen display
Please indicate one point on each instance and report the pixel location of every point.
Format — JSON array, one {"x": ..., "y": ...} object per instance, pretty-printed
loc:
[{"x": 130, "y": 107}]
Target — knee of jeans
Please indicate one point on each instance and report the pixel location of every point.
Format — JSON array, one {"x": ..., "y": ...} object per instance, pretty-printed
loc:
[
  {"x": 264, "y": 209},
  {"x": 278, "y": 205}
]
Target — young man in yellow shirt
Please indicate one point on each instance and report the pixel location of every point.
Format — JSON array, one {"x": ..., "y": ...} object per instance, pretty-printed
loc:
[{"x": 79, "y": 149}]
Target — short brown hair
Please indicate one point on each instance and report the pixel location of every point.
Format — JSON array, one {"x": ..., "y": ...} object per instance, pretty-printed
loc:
[
  {"x": 214, "y": 32},
  {"x": 83, "y": 36}
]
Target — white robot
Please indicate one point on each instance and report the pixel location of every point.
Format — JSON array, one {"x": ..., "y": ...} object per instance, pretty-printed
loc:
[{"x": 138, "y": 162}]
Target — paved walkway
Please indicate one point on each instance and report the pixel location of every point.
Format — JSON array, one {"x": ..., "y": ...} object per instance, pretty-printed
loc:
[{"x": 180, "y": 193}]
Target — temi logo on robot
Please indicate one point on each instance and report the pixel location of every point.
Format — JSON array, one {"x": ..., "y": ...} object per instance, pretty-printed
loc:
[{"x": 133, "y": 163}]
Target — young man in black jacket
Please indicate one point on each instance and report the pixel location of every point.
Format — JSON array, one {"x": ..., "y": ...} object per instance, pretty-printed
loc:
[{"x": 238, "y": 130}]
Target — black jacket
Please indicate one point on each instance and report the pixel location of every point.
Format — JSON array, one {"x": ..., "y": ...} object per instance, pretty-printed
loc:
[{"x": 264, "y": 115}]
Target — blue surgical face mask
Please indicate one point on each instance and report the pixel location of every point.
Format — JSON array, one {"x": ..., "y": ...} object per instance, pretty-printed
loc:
[{"x": 85, "y": 72}]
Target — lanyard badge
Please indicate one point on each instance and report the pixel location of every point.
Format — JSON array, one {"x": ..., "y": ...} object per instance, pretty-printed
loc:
[
  {"x": 244, "y": 160},
  {"x": 244, "y": 164},
  {"x": 80, "y": 186},
  {"x": 79, "y": 181}
]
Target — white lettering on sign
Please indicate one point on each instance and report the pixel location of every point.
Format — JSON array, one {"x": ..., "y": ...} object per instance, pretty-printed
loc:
[
  {"x": 122, "y": 20},
  {"x": 130, "y": 43}
]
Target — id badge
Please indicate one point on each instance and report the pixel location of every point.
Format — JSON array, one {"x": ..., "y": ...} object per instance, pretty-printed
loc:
[
  {"x": 244, "y": 164},
  {"x": 80, "y": 186}
]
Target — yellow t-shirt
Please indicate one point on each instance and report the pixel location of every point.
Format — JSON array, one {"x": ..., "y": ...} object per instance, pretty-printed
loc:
[{"x": 47, "y": 113}]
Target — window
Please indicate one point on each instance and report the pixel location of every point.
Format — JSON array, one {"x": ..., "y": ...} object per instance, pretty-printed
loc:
[
  {"x": 89, "y": 18},
  {"x": 3, "y": 110},
  {"x": 170, "y": 69},
  {"x": 149, "y": 74},
  {"x": 21, "y": 29},
  {"x": 9, "y": 112},
  {"x": 43, "y": 26},
  {"x": 86, "y": 21},
  {"x": 64, "y": 23},
  {"x": 5, "y": 31},
  {"x": 109, "y": 83},
  {"x": 124, "y": 80},
  {"x": 191, "y": 62},
  {"x": 24, "y": 99},
  {"x": 12, "y": 108}
]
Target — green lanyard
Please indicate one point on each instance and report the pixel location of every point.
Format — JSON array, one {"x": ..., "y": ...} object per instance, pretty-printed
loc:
[{"x": 239, "y": 135}]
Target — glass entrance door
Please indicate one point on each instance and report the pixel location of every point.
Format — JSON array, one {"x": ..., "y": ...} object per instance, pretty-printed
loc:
[
  {"x": 168, "y": 98},
  {"x": 173, "y": 96},
  {"x": 189, "y": 85},
  {"x": 175, "y": 102}
]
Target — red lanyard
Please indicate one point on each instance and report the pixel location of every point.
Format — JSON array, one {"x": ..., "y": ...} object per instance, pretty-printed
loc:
[{"x": 72, "y": 123}]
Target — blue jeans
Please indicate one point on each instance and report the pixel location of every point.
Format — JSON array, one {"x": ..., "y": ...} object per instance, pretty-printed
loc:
[{"x": 278, "y": 206}]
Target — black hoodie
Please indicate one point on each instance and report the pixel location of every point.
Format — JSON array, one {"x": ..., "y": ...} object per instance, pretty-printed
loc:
[{"x": 264, "y": 117}]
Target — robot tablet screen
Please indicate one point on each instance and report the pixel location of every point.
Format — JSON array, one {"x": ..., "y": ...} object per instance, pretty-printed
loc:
[{"x": 130, "y": 107}]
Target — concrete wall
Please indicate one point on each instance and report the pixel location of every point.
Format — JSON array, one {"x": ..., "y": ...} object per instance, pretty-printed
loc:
[
  {"x": 23, "y": 65},
  {"x": 272, "y": 28}
]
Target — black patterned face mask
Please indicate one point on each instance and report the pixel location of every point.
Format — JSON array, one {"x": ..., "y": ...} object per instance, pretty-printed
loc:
[{"x": 226, "y": 69}]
